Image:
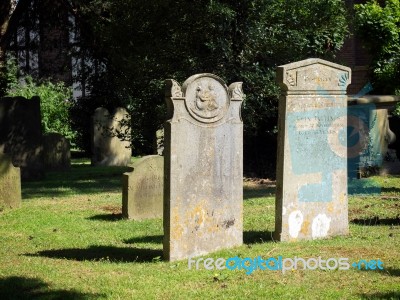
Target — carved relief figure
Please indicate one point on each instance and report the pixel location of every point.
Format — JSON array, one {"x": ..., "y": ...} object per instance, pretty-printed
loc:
[{"x": 206, "y": 99}]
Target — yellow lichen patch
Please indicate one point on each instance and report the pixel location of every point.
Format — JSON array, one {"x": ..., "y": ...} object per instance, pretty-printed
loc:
[
  {"x": 330, "y": 207},
  {"x": 176, "y": 232},
  {"x": 176, "y": 228},
  {"x": 305, "y": 227},
  {"x": 198, "y": 215},
  {"x": 342, "y": 198}
]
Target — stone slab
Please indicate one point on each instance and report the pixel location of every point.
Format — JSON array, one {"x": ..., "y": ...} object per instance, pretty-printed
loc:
[
  {"x": 111, "y": 138},
  {"x": 143, "y": 189},
  {"x": 203, "y": 198},
  {"x": 21, "y": 135},
  {"x": 10, "y": 183},
  {"x": 57, "y": 154},
  {"x": 311, "y": 198}
]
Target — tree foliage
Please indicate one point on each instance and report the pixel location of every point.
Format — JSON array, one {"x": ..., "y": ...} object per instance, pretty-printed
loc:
[
  {"x": 146, "y": 42},
  {"x": 55, "y": 100},
  {"x": 142, "y": 43},
  {"x": 7, "y": 8},
  {"x": 378, "y": 23}
]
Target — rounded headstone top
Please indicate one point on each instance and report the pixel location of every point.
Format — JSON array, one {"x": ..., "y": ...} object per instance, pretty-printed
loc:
[
  {"x": 100, "y": 112},
  {"x": 206, "y": 97},
  {"x": 120, "y": 110}
]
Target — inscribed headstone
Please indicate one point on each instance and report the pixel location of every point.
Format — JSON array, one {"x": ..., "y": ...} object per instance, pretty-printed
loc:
[
  {"x": 143, "y": 188},
  {"x": 111, "y": 138},
  {"x": 10, "y": 183},
  {"x": 203, "y": 198},
  {"x": 21, "y": 135},
  {"x": 311, "y": 198},
  {"x": 57, "y": 155}
]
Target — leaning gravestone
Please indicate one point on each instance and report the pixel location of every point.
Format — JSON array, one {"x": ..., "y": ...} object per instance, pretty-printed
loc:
[
  {"x": 110, "y": 138},
  {"x": 203, "y": 194},
  {"x": 142, "y": 189},
  {"x": 21, "y": 135},
  {"x": 311, "y": 198},
  {"x": 10, "y": 183},
  {"x": 57, "y": 155}
]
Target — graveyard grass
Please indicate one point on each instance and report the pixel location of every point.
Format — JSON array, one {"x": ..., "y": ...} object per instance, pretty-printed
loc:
[{"x": 68, "y": 241}]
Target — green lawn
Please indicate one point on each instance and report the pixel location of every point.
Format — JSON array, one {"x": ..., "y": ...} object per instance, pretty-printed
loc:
[{"x": 68, "y": 241}]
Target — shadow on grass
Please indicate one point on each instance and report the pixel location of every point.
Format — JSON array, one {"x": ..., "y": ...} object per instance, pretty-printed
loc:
[
  {"x": 386, "y": 271},
  {"x": 102, "y": 253},
  {"x": 257, "y": 237},
  {"x": 107, "y": 217},
  {"x": 81, "y": 179},
  {"x": 391, "y": 272},
  {"x": 388, "y": 295},
  {"x": 22, "y": 288},
  {"x": 153, "y": 239},
  {"x": 258, "y": 192},
  {"x": 390, "y": 190},
  {"x": 249, "y": 237},
  {"x": 376, "y": 221}
]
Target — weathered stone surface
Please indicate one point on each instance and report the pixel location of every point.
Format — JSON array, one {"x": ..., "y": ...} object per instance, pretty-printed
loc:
[
  {"x": 57, "y": 154},
  {"x": 379, "y": 138},
  {"x": 21, "y": 135},
  {"x": 203, "y": 198},
  {"x": 10, "y": 183},
  {"x": 143, "y": 189},
  {"x": 311, "y": 198},
  {"x": 110, "y": 138},
  {"x": 391, "y": 164}
]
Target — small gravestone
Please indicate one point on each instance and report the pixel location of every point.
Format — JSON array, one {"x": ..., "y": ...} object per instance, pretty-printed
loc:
[
  {"x": 57, "y": 155},
  {"x": 10, "y": 183},
  {"x": 21, "y": 135},
  {"x": 311, "y": 198},
  {"x": 111, "y": 138},
  {"x": 142, "y": 189},
  {"x": 203, "y": 193}
]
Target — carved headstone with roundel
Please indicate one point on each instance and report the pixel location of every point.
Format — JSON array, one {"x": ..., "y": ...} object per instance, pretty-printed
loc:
[
  {"x": 311, "y": 198},
  {"x": 203, "y": 194}
]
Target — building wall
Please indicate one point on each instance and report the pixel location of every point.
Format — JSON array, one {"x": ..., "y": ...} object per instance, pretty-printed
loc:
[
  {"x": 355, "y": 56},
  {"x": 54, "y": 59}
]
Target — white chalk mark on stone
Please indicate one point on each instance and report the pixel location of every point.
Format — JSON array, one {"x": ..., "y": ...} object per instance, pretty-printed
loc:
[
  {"x": 295, "y": 222},
  {"x": 320, "y": 226}
]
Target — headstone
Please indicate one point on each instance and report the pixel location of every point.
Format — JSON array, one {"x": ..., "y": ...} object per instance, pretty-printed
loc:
[
  {"x": 311, "y": 198},
  {"x": 380, "y": 136},
  {"x": 111, "y": 138},
  {"x": 372, "y": 110},
  {"x": 21, "y": 135},
  {"x": 143, "y": 188},
  {"x": 203, "y": 194},
  {"x": 391, "y": 164},
  {"x": 10, "y": 183},
  {"x": 57, "y": 154}
]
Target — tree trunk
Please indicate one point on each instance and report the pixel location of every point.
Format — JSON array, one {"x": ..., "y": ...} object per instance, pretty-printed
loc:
[{"x": 5, "y": 14}]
